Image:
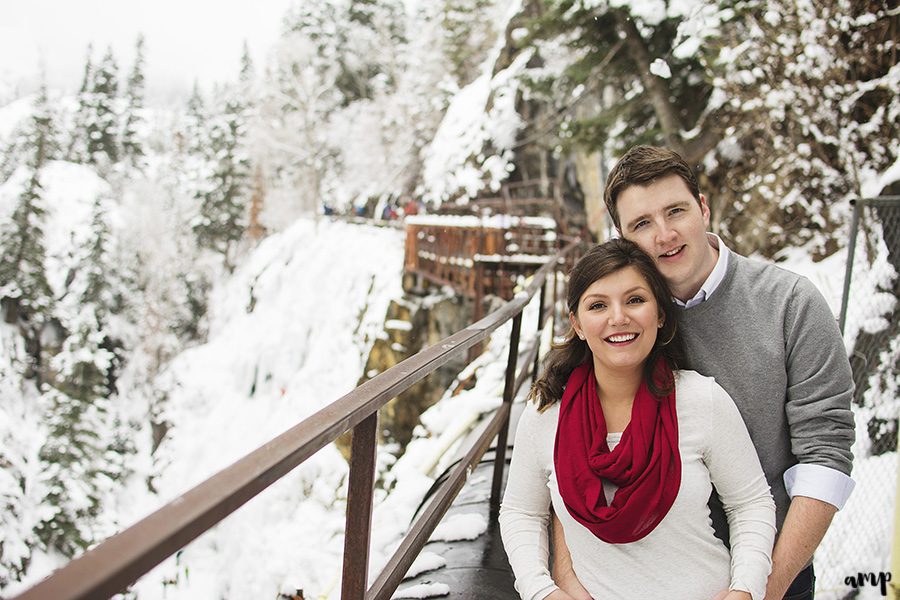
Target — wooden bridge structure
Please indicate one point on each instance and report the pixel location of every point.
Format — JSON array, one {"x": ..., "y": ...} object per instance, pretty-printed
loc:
[{"x": 486, "y": 246}]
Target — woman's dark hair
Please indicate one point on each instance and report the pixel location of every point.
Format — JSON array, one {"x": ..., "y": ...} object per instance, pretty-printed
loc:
[{"x": 602, "y": 260}]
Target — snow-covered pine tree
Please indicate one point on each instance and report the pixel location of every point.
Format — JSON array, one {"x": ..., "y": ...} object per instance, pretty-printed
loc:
[
  {"x": 247, "y": 74},
  {"x": 190, "y": 132},
  {"x": 19, "y": 147},
  {"x": 98, "y": 283},
  {"x": 132, "y": 147},
  {"x": 808, "y": 99},
  {"x": 102, "y": 119},
  {"x": 223, "y": 202},
  {"x": 81, "y": 462},
  {"x": 297, "y": 97},
  {"x": 248, "y": 87},
  {"x": 77, "y": 148},
  {"x": 171, "y": 304},
  {"x": 77, "y": 463},
  {"x": 335, "y": 67},
  {"x": 604, "y": 54},
  {"x": 374, "y": 29},
  {"x": 355, "y": 36},
  {"x": 25, "y": 294},
  {"x": 468, "y": 36},
  {"x": 20, "y": 488}
]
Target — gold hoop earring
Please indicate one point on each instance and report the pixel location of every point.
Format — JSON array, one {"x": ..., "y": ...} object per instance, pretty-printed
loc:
[{"x": 671, "y": 337}]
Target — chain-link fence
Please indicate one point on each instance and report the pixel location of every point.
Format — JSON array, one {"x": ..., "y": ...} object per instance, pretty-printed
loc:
[{"x": 860, "y": 538}]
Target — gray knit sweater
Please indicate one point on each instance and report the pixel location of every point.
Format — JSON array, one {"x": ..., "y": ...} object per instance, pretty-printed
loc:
[{"x": 769, "y": 338}]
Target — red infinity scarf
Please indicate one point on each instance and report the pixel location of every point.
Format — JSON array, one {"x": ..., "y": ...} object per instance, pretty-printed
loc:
[{"x": 645, "y": 465}]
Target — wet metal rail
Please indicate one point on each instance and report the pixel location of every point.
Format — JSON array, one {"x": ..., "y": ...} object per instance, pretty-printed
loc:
[{"x": 118, "y": 562}]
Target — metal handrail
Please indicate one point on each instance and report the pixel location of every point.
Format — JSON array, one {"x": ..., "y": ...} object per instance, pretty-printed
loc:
[
  {"x": 858, "y": 204},
  {"x": 118, "y": 562}
]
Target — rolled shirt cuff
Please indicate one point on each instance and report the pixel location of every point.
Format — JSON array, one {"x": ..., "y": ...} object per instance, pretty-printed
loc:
[{"x": 819, "y": 482}]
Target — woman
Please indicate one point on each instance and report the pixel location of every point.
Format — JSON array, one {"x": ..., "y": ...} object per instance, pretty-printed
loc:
[{"x": 625, "y": 448}]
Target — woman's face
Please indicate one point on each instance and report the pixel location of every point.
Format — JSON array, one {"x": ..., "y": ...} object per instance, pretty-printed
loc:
[{"x": 619, "y": 318}]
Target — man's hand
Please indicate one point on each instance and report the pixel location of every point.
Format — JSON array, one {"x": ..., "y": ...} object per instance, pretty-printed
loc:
[
  {"x": 804, "y": 527},
  {"x": 559, "y": 595}
]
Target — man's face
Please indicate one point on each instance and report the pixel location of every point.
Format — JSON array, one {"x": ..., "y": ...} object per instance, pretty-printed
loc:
[{"x": 666, "y": 221}]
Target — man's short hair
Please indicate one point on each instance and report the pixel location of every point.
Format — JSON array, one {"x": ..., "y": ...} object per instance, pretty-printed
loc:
[{"x": 642, "y": 165}]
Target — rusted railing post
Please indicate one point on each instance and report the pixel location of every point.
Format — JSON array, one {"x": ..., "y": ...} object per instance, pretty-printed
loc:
[
  {"x": 851, "y": 253},
  {"x": 555, "y": 276},
  {"x": 508, "y": 392},
  {"x": 540, "y": 329},
  {"x": 360, "y": 492}
]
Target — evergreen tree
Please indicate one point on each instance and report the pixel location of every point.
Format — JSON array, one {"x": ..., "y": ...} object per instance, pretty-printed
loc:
[
  {"x": 295, "y": 106},
  {"x": 333, "y": 59},
  {"x": 77, "y": 150},
  {"x": 98, "y": 283},
  {"x": 82, "y": 456},
  {"x": 356, "y": 36},
  {"x": 20, "y": 490},
  {"x": 224, "y": 199},
  {"x": 77, "y": 465},
  {"x": 102, "y": 123},
  {"x": 132, "y": 148},
  {"x": 247, "y": 74},
  {"x": 612, "y": 50},
  {"x": 191, "y": 130},
  {"x": 24, "y": 291},
  {"x": 468, "y": 36},
  {"x": 20, "y": 147}
]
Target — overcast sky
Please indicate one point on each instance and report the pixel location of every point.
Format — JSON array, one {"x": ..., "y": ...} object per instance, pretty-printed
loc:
[{"x": 184, "y": 39}]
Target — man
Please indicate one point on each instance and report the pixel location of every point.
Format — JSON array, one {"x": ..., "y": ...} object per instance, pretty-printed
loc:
[{"x": 768, "y": 337}]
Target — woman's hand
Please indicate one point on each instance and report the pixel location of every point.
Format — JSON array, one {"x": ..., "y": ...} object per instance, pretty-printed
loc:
[
  {"x": 571, "y": 587},
  {"x": 560, "y": 595},
  {"x": 733, "y": 595}
]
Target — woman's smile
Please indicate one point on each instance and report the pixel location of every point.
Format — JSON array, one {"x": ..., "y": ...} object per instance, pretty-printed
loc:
[
  {"x": 622, "y": 338},
  {"x": 618, "y": 317}
]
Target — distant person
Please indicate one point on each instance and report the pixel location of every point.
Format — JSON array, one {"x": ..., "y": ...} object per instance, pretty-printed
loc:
[
  {"x": 626, "y": 448},
  {"x": 768, "y": 337},
  {"x": 411, "y": 208}
]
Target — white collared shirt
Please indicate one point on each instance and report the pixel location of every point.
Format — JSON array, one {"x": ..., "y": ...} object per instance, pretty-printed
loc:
[
  {"x": 809, "y": 480},
  {"x": 715, "y": 277}
]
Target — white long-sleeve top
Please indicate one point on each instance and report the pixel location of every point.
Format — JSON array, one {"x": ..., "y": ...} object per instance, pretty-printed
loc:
[{"x": 681, "y": 559}]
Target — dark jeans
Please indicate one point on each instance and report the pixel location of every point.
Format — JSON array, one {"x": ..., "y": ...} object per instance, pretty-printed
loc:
[{"x": 803, "y": 587}]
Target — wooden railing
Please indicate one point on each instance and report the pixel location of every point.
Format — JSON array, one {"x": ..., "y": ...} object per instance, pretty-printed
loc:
[
  {"x": 529, "y": 197},
  {"x": 478, "y": 257},
  {"x": 118, "y": 562}
]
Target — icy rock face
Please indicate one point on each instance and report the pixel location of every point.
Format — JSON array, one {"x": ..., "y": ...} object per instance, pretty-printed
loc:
[{"x": 413, "y": 323}]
